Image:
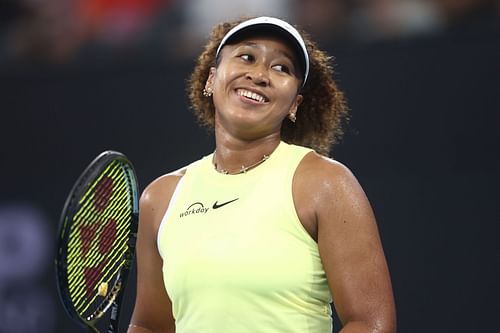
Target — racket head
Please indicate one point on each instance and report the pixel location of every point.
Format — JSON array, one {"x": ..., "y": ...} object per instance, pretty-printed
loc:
[{"x": 97, "y": 233}]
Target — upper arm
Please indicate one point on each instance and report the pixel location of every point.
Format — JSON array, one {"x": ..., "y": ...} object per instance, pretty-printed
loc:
[
  {"x": 153, "y": 309},
  {"x": 351, "y": 250}
]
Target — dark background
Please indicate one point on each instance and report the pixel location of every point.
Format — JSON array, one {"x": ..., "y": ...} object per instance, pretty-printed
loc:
[{"x": 423, "y": 140}]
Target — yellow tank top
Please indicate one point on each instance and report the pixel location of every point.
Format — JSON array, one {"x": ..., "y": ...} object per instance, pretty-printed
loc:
[{"x": 236, "y": 258}]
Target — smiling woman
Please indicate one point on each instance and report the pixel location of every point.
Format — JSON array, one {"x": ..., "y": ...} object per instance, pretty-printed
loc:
[
  {"x": 266, "y": 232},
  {"x": 255, "y": 87},
  {"x": 323, "y": 110}
]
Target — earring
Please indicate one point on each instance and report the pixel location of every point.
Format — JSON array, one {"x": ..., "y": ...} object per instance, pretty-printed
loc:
[
  {"x": 292, "y": 117},
  {"x": 207, "y": 92}
]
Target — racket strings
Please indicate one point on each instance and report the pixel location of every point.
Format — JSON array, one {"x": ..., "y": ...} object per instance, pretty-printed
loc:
[
  {"x": 108, "y": 268},
  {"x": 98, "y": 237},
  {"x": 101, "y": 267},
  {"x": 99, "y": 270},
  {"x": 116, "y": 211},
  {"x": 96, "y": 256}
]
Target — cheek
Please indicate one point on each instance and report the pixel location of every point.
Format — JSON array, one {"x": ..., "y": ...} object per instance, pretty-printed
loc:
[
  {"x": 221, "y": 80},
  {"x": 291, "y": 84},
  {"x": 225, "y": 72},
  {"x": 289, "y": 90},
  {"x": 220, "y": 86}
]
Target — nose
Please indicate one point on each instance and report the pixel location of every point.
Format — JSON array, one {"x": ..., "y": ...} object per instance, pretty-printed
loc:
[{"x": 258, "y": 75}]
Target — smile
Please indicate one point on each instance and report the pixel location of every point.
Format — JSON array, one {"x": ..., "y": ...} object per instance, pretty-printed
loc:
[{"x": 251, "y": 95}]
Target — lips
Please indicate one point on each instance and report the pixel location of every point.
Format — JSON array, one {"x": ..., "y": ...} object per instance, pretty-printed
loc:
[{"x": 255, "y": 96}]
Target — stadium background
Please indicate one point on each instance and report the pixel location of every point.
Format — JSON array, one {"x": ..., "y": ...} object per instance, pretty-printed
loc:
[{"x": 423, "y": 139}]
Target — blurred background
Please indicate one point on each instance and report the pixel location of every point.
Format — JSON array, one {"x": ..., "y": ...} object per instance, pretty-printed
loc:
[{"x": 422, "y": 78}]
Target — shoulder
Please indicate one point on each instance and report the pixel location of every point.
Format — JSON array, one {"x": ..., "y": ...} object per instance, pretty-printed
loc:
[
  {"x": 328, "y": 184},
  {"x": 322, "y": 188},
  {"x": 325, "y": 173},
  {"x": 156, "y": 196},
  {"x": 333, "y": 192},
  {"x": 162, "y": 185}
]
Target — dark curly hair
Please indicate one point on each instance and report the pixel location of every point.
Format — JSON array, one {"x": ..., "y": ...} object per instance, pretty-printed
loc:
[{"x": 321, "y": 114}]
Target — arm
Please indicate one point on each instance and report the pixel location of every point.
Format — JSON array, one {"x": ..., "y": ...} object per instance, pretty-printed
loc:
[
  {"x": 350, "y": 248},
  {"x": 153, "y": 309}
]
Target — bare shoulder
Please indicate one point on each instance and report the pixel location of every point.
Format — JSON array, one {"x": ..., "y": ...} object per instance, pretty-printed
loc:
[
  {"x": 156, "y": 196},
  {"x": 162, "y": 186},
  {"x": 325, "y": 175},
  {"x": 322, "y": 188}
]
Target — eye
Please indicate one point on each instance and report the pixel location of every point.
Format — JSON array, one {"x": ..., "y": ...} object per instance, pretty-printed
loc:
[
  {"x": 247, "y": 57},
  {"x": 282, "y": 68}
]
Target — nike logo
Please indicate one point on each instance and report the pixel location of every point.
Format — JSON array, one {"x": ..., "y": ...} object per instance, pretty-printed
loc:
[{"x": 216, "y": 205}]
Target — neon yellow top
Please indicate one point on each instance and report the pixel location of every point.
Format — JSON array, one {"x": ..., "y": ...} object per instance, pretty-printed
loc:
[{"x": 236, "y": 258}]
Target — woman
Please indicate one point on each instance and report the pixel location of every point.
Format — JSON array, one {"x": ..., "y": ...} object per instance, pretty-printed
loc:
[{"x": 261, "y": 235}]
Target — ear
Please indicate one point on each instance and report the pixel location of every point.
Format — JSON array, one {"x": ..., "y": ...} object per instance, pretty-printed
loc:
[
  {"x": 295, "y": 106},
  {"x": 210, "y": 79}
]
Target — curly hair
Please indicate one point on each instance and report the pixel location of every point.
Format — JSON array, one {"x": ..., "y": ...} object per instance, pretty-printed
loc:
[{"x": 321, "y": 114}]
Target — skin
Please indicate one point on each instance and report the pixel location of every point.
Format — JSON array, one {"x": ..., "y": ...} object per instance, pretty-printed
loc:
[{"x": 329, "y": 201}]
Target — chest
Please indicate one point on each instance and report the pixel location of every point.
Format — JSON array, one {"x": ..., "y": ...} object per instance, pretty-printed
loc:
[{"x": 249, "y": 238}]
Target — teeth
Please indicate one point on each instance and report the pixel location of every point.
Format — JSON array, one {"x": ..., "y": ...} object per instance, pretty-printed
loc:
[{"x": 251, "y": 95}]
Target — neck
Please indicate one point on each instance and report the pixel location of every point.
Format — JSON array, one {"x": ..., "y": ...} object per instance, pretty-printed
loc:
[{"x": 234, "y": 155}]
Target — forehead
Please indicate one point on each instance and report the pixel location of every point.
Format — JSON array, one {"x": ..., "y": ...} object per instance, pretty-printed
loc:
[
  {"x": 268, "y": 43},
  {"x": 262, "y": 33}
]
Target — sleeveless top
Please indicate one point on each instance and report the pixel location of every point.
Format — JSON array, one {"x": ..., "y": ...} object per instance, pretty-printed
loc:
[{"x": 236, "y": 258}]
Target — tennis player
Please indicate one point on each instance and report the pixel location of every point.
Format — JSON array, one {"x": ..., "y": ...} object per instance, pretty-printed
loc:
[{"x": 263, "y": 234}]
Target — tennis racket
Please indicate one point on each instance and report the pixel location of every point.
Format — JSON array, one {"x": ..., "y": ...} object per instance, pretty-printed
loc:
[{"x": 96, "y": 243}]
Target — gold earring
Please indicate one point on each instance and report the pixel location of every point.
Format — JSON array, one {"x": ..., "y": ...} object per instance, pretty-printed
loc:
[
  {"x": 207, "y": 92},
  {"x": 292, "y": 117}
]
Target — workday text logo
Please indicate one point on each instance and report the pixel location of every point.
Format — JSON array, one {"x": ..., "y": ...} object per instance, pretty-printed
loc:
[{"x": 196, "y": 208}]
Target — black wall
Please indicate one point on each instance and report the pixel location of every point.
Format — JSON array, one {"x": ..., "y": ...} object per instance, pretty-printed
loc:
[{"x": 423, "y": 140}]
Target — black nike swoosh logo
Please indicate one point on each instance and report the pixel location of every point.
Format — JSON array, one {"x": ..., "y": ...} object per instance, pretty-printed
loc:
[{"x": 216, "y": 205}]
